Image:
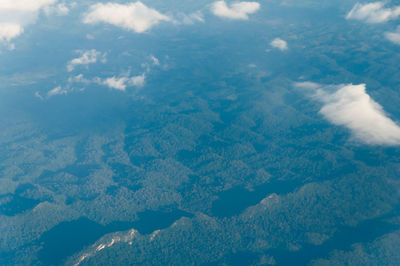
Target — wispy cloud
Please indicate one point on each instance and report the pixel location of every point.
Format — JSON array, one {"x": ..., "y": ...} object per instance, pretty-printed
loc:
[
  {"x": 61, "y": 9},
  {"x": 121, "y": 83},
  {"x": 394, "y": 37},
  {"x": 86, "y": 58},
  {"x": 53, "y": 92},
  {"x": 56, "y": 91},
  {"x": 279, "y": 44},
  {"x": 373, "y": 12},
  {"x": 79, "y": 79},
  {"x": 237, "y": 10},
  {"x": 136, "y": 16},
  {"x": 351, "y": 106},
  {"x": 154, "y": 60},
  {"x": 191, "y": 18}
]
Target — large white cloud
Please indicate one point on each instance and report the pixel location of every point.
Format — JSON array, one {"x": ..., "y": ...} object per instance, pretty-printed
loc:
[
  {"x": 351, "y": 106},
  {"x": 237, "y": 10},
  {"x": 86, "y": 58},
  {"x": 134, "y": 16},
  {"x": 25, "y": 5},
  {"x": 16, "y": 14},
  {"x": 279, "y": 44},
  {"x": 373, "y": 12}
]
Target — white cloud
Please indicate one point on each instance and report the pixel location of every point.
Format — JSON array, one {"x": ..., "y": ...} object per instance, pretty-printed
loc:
[
  {"x": 86, "y": 58},
  {"x": 119, "y": 83},
  {"x": 310, "y": 86},
  {"x": 190, "y": 18},
  {"x": 134, "y": 16},
  {"x": 373, "y": 12},
  {"x": 60, "y": 9},
  {"x": 37, "y": 95},
  {"x": 138, "y": 81},
  {"x": 116, "y": 83},
  {"x": 56, "y": 91},
  {"x": 279, "y": 44},
  {"x": 154, "y": 60},
  {"x": 90, "y": 37},
  {"x": 25, "y": 5},
  {"x": 351, "y": 106},
  {"x": 237, "y": 10},
  {"x": 78, "y": 79},
  {"x": 9, "y": 31},
  {"x": 17, "y": 14},
  {"x": 122, "y": 83},
  {"x": 394, "y": 37}
]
